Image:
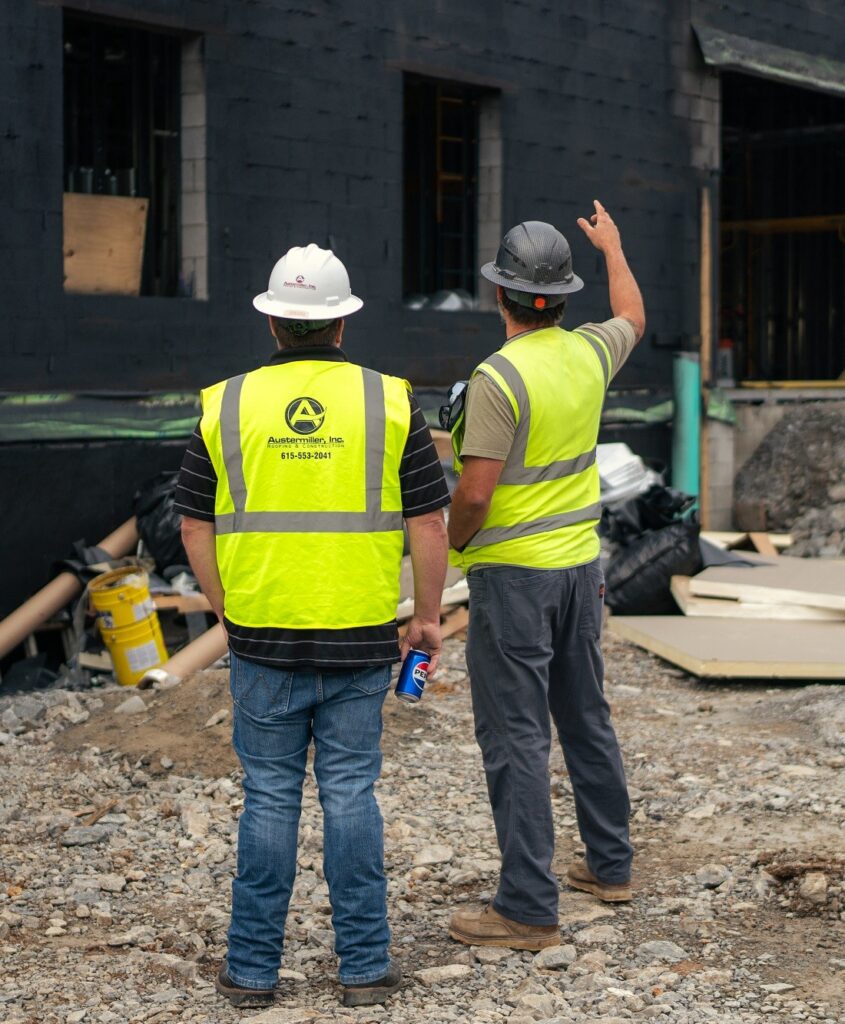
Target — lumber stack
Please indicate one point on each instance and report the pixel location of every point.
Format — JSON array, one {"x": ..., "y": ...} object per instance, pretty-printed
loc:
[{"x": 776, "y": 618}]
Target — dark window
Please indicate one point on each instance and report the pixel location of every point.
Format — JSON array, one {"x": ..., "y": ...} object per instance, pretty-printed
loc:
[
  {"x": 441, "y": 188},
  {"x": 782, "y": 287},
  {"x": 121, "y": 130}
]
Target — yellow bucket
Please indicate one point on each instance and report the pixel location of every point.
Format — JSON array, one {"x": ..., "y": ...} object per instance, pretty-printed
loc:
[
  {"x": 121, "y": 597},
  {"x": 135, "y": 649}
]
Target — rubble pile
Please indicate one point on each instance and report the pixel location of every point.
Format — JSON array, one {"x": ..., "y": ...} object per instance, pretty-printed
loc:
[
  {"x": 116, "y": 864},
  {"x": 795, "y": 468},
  {"x": 820, "y": 532}
]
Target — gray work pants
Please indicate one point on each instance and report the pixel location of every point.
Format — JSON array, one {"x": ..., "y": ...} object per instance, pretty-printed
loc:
[{"x": 533, "y": 648}]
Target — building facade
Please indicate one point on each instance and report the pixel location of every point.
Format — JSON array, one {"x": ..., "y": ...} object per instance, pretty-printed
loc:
[{"x": 158, "y": 158}]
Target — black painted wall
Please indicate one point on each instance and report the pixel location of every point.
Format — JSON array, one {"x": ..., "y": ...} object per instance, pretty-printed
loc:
[
  {"x": 607, "y": 99},
  {"x": 304, "y": 142}
]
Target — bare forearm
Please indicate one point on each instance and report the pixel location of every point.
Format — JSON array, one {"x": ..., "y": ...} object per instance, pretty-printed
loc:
[
  {"x": 429, "y": 557},
  {"x": 198, "y": 538},
  {"x": 625, "y": 298},
  {"x": 466, "y": 517}
]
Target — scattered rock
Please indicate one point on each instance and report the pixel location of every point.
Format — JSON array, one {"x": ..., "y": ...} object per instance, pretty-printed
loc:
[
  {"x": 555, "y": 957},
  {"x": 217, "y": 718},
  {"x": 434, "y": 854},
  {"x": 133, "y": 705},
  {"x": 711, "y": 876},
  {"x": 661, "y": 949},
  {"x": 599, "y": 934},
  {"x": 85, "y": 835},
  {"x": 777, "y": 988},
  {"x": 813, "y": 887},
  {"x": 444, "y": 975},
  {"x": 286, "y": 1015}
]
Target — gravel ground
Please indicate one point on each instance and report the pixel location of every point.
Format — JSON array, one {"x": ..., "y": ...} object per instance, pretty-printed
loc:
[{"x": 738, "y": 820}]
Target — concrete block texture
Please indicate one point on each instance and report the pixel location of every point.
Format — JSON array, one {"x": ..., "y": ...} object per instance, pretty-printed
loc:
[{"x": 292, "y": 130}]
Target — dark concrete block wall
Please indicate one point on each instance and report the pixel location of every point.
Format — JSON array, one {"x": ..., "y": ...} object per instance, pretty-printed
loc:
[
  {"x": 304, "y": 142},
  {"x": 304, "y": 114}
]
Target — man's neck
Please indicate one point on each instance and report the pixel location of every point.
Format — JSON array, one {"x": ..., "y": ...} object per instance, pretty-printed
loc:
[{"x": 512, "y": 329}]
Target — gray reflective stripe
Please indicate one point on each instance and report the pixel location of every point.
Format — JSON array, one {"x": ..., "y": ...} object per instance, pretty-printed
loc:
[
  {"x": 373, "y": 520},
  {"x": 600, "y": 352},
  {"x": 499, "y": 534},
  {"x": 308, "y": 522},
  {"x": 230, "y": 439},
  {"x": 516, "y": 471}
]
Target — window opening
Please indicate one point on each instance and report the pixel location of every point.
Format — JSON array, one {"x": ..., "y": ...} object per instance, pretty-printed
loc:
[
  {"x": 441, "y": 148},
  {"x": 782, "y": 290},
  {"x": 121, "y": 139}
]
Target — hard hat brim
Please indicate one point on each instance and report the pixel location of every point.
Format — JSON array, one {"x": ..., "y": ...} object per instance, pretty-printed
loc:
[
  {"x": 518, "y": 285},
  {"x": 287, "y": 311}
]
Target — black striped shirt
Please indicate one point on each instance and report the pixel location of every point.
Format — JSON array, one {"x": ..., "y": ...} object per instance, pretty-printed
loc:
[{"x": 424, "y": 490}]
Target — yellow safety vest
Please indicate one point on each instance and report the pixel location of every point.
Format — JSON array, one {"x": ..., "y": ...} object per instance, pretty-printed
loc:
[
  {"x": 308, "y": 512},
  {"x": 546, "y": 505}
]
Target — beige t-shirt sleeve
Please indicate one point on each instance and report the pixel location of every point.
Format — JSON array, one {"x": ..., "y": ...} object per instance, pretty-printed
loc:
[
  {"x": 619, "y": 335},
  {"x": 490, "y": 420}
]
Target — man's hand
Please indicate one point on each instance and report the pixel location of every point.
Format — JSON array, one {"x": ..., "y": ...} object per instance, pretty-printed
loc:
[
  {"x": 602, "y": 233},
  {"x": 424, "y": 636},
  {"x": 625, "y": 298}
]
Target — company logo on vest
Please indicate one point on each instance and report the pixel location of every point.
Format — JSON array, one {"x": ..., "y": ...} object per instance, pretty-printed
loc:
[{"x": 305, "y": 415}]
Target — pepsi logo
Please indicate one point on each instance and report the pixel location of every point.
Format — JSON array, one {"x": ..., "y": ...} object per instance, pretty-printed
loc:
[{"x": 421, "y": 672}]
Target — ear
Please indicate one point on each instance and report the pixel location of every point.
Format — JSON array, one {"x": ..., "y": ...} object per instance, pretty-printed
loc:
[
  {"x": 339, "y": 337},
  {"x": 500, "y": 291}
]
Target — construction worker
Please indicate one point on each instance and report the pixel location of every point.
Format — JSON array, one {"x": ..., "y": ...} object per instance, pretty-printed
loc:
[
  {"x": 294, "y": 490},
  {"x": 523, "y": 524}
]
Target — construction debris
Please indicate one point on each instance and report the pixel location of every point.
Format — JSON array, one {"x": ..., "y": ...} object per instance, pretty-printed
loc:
[{"x": 794, "y": 469}]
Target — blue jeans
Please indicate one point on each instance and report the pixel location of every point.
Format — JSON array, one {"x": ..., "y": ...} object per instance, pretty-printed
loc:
[{"x": 276, "y": 714}]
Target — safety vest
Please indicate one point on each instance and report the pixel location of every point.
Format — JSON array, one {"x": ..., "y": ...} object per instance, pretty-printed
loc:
[
  {"x": 546, "y": 505},
  {"x": 308, "y": 512}
]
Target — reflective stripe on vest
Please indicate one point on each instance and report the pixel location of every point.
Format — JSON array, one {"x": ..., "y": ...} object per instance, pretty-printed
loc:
[
  {"x": 519, "y": 472},
  {"x": 547, "y": 500},
  {"x": 373, "y": 520}
]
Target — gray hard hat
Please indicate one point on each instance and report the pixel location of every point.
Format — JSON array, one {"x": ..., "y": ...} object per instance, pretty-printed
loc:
[{"x": 534, "y": 258}]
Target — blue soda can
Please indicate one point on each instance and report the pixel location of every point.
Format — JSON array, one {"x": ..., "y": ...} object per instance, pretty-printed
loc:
[{"x": 412, "y": 676}]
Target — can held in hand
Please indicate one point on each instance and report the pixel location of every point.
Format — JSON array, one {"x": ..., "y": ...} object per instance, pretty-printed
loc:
[{"x": 412, "y": 676}]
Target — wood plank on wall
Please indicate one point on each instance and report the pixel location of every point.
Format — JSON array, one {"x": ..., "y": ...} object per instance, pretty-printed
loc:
[{"x": 103, "y": 244}]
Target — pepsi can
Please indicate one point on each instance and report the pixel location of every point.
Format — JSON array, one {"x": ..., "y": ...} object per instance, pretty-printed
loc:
[{"x": 412, "y": 676}]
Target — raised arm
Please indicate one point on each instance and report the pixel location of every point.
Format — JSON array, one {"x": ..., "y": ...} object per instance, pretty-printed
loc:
[{"x": 625, "y": 298}]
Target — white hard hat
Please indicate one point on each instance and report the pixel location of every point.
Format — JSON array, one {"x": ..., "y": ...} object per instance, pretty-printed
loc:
[{"x": 308, "y": 283}]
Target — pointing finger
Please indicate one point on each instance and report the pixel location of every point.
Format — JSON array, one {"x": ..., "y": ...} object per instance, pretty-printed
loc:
[
  {"x": 598, "y": 206},
  {"x": 584, "y": 225}
]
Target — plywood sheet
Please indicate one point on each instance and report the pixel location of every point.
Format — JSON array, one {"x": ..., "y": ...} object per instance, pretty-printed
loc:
[
  {"x": 729, "y": 608},
  {"x": 103, "y": 243},
  {"x": 739, "y": 649},
  {"x": 817, "y": 582}
]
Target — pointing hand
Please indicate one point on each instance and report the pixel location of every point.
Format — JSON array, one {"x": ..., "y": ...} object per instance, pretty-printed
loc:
[{"x": 602, "y": 232}]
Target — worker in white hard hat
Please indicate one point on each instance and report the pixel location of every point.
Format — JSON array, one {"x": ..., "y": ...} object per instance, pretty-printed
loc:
[{"x": 294, "y": 491}]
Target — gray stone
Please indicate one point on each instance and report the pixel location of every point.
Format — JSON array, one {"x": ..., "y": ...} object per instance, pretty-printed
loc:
[
  {"x": 29, "y": 711},
  {"x": 133, "y": 705},
  {"x": 434, "y": 854},
  {"x": 555, "y": 957},
  {"x": 443, "y": 975},
  {"x": 140, "y": 935},
  {"x": 711, "y": 876},
  {"x": 661, "y": 949},
  {"x": 599, "y": 934},
  {"x": 84, "y": 835},
  {"x": 286, "y": 1015}
]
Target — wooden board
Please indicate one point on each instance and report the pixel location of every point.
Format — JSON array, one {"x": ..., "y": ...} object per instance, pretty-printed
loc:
[
  {"x": 729, "y": 608},
  {"x": 729, "y": 540},
  {"x": 443, "y": 444},
  {"x": 739, "y": 649},
  {"x": 103, "y": 243},
  {"x": 817, "y": 582},
  {"x": 182, "y": 603}
]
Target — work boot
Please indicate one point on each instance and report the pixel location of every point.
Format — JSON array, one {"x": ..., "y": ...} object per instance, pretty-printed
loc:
[
  {"x": 488, "y": 927},
  {"x": 580, "y": 877},
  {"x": 371, "y": 992},
  {"x": 243, "y": 998}
]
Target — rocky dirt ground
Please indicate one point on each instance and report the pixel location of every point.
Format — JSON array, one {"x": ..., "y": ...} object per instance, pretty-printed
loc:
[{"x": 117, "y": 836}]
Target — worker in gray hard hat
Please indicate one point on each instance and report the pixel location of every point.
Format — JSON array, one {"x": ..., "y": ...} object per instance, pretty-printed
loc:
[{"x": 523, "y": 526}]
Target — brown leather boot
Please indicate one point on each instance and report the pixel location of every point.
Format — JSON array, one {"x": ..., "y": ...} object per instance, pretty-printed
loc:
[
  {"x": 580, "y": 877},
  {"x": 487, "y": 927}
]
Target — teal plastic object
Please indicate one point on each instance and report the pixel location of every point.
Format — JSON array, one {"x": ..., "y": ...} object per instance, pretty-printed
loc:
[{"x": 686, "y": 428}]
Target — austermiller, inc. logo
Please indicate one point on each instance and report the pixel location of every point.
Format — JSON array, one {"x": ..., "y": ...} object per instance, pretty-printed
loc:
[
  {"x": 305, "y": 415},
  {"x": 300, "y": 282}
]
